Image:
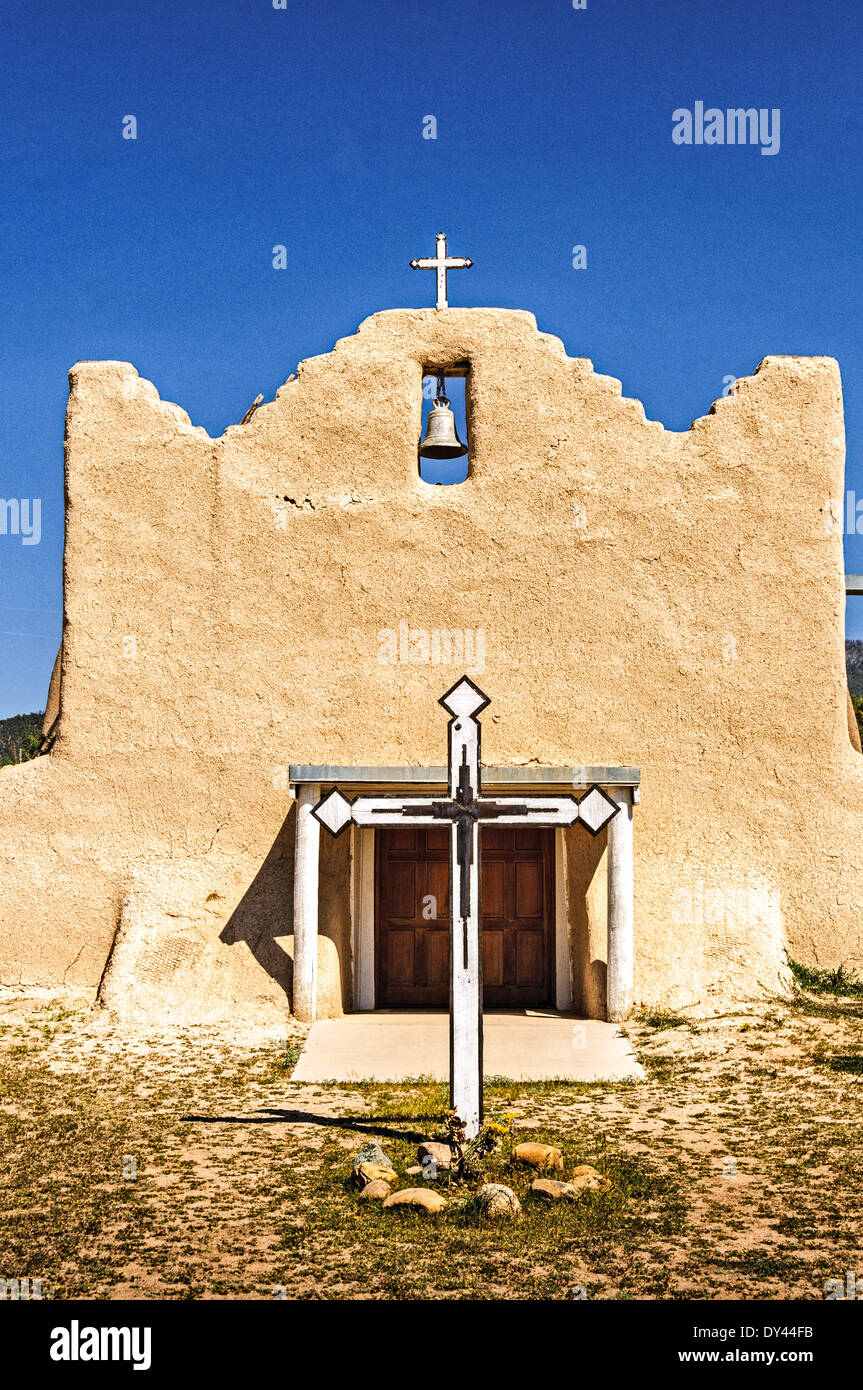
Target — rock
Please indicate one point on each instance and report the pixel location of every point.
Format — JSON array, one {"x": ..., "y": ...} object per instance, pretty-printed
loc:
[
  {"x": 375, "y": 1172},
  {"x": 586, "y": 1176},
  {"x": 549, "y": 1190},
  {"x": 497, "y": 1200},
  {"x": 538, "y": 1156},
  {"x": 417, "y": 1198},
  {"x": 590, "y": 1182},
  {"x": 375, "y": 1191},
  {"x": 440, "y": 1154},
  {"x": 413, "y": 1171},
  {"x": 372, "y": 1153}
]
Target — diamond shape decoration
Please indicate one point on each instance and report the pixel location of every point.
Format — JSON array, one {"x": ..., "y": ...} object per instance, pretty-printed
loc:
[
  {"x": 333, "y": 811},
  {"x": 464, "y": 699},
  {"x": 595, "y": 809}
]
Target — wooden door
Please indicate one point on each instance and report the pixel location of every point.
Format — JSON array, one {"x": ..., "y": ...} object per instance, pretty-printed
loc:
[
  {"x": 412, "y": 917},
  {"x": 517, "y": 915}
]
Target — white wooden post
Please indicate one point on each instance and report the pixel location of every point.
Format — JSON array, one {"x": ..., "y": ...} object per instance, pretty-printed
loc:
[
  {"x": 621, "y": 949},
  {"x": 562, "y": 963},
  {"x": 465, "y": 1017},
  {"x": 306, "y": 857},
  {"x": 363, "y": 870}
]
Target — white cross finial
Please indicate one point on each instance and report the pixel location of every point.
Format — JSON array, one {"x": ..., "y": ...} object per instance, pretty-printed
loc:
[{"x": 441, "y": 263}]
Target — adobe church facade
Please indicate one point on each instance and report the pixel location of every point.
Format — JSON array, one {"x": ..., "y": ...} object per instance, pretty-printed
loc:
[{"x": 250, "y": 618}]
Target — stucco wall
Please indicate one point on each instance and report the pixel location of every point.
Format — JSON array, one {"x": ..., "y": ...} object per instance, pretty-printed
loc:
[{"x": 669, "y": 600}]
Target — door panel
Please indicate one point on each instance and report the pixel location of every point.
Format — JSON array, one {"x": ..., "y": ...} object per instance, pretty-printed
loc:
[
  {"x": 492, "y": 960},
  {"x": 401, "y": 889},
  {"x": 400, "y": 957},
  {"x": 493, "y": 875},
  {"x": 528, "y": 889},
  {"x": 437, "y": 888},
  {"x": 528, "y": 958},
  {"x": 437, "y": 962}
]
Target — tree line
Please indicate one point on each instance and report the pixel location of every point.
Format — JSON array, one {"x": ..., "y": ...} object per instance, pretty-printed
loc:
[{"x": 20, "y": 737}]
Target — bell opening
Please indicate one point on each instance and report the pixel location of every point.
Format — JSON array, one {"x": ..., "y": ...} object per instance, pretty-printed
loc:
[{"x": 444, "y": 440}]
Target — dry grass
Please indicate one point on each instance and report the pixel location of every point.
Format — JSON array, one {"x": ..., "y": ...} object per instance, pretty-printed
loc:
[{"x": 736, "y": 1167}]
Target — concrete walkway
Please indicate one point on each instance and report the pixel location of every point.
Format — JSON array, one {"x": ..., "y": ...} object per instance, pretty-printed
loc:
[{"x": 531, "y": 1045}]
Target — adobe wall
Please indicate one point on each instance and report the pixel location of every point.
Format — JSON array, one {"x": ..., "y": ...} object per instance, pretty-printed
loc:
[{"x": 669, "y": 600}]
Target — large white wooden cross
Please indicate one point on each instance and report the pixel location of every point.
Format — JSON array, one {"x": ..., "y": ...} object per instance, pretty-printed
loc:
[
  {"x": 465, "y": 809},
  {"x": 441, "y": 263}
]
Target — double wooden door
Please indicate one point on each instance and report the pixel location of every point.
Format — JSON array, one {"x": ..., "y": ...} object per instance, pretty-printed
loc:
[{"x": 412, "y": 917}]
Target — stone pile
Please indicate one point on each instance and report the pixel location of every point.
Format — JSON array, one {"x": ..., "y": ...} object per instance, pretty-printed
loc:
[{"x": 375, "y": 1176}]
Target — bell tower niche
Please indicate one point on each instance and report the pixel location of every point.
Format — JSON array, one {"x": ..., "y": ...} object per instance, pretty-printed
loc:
[{"x": 444, "y": 443}]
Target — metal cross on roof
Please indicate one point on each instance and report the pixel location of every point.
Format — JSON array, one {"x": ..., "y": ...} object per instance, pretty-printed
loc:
[
  {"x": 441, "y": 262},
  {"x": 466, "y": 809}
]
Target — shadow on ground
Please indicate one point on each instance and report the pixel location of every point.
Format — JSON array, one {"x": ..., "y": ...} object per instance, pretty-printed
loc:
[{"x": 370, "y": 1124}]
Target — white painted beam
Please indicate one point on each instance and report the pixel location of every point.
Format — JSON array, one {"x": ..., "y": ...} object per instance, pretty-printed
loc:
[
  {"x": 466, "y": 995},
  {"x": 306, "y": 876},
  {"x": 621, "y": 913},
  {"x": 562, "y": 964},
  {"x": 363, "y": 867}
]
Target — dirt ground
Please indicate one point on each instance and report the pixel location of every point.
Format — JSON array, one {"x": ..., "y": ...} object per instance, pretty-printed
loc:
[{"x": 189, "y": 1166}]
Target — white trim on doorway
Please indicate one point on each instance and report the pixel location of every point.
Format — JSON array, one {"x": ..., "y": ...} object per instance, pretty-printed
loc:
[
  {"x": 622, "y": 783},
  {"x": 562, "y": 962},
  {"x": 363, "y": 913}
]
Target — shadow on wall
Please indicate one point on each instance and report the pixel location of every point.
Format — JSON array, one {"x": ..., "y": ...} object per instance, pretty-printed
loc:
[
  {"x": 263, "y": 918},
  {"x": 587, "y": 898}
]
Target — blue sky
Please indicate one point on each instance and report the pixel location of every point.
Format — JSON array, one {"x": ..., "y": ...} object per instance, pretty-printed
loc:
[{"x": 303, "y": 126}]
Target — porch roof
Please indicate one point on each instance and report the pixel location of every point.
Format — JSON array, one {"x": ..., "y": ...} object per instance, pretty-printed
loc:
[{"x": 492, "y": 776}]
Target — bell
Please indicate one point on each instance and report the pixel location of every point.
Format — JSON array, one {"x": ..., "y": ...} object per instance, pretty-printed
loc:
[{"x": 441, "y": 439}]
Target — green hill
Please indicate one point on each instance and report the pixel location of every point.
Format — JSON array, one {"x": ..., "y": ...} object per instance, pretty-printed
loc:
[
  {"x": 854, "y": 666},
  {"x": 20, "y": 736}
]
